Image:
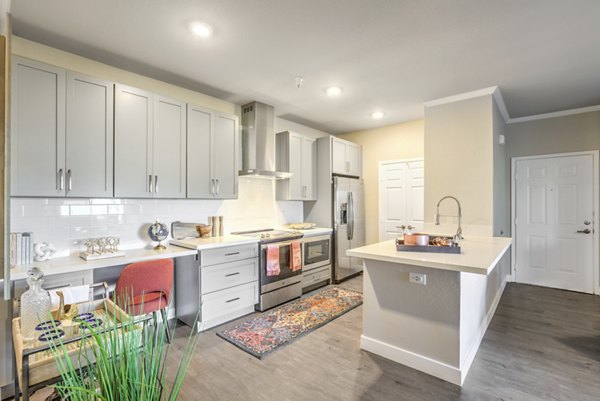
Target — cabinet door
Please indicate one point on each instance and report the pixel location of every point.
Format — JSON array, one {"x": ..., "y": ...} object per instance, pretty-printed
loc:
[
  {"x": 133, "y": 143},
  {"x": 225, "y": 155},
  {"x": 199, "y": 153},
  {"x": 38, "y": 129},
  {"x": 295, "y": 160},
  {"x": 169, "y": 137},
  {"x": 89, "y": 133},
  {"x": 353, "y": 159},
  {"x": 338, "y": 157},
  {"x": 309, "y": 168}
]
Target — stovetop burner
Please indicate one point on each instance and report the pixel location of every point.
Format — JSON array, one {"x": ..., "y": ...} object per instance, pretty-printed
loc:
[{"x": 271, "y": 235}]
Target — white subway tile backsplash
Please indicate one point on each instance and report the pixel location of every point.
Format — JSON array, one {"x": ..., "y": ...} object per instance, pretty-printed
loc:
[{"x": 65, "y": 222}]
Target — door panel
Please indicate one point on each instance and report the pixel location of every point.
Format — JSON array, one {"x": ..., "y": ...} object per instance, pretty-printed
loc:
[
  {"x": 199, "y": 153},
  {"x": 338, "y": 156},
  {"x": 89, "y": 132},
  {"x": 38, "y": 129},
  {"x": 225, "y": 156},
  {"x": 392, "y": 202},
  {"x": 133, "y": 142},
  {"x": 354, "y": 160},
  {"x": 169, "y": 144},
  {"x": 553, "y": 200},
  {"x": 309, "y": 173},
  {"x": 415, "y": 201},
  {"x": 295, "y": 157}
]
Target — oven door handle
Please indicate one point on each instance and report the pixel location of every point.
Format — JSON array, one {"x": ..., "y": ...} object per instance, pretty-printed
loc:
[{"x": 279, "y": 244}]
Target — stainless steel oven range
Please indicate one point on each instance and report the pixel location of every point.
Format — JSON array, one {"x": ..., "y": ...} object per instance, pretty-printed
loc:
[{"x": 285, "y": 285}]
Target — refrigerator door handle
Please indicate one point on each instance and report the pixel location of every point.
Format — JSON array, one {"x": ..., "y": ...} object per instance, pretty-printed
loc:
[{"x": 350, "y": 216}]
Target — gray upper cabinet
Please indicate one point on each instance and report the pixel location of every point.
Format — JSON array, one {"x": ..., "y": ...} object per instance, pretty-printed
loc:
[
  {"x": 89, "y": 131},
  {"x": 133, "y": 143},
  {"x": 296, "y": 154},
  {"x": 225, "y": 168},
  {"x": 62, "y": 132},
  {"x": 346, "y": 158},
  {"x": 212, "y": 154},
  {"x": 37, "y": 129},
  {"x": 150, "y": 145},
  {"x": 169, "y": 147},
  {"x": 199, "y": 153}
]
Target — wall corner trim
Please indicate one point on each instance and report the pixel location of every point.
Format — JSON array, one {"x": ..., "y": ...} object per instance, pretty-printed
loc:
[{"x": 464, "y": 96}]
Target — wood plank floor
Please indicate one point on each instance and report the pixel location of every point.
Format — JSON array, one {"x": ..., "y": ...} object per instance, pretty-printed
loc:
[{"x": 542, "y": 344}]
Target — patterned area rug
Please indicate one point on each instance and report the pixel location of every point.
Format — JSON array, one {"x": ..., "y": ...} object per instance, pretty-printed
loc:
[{"x": 281, "y": 326}]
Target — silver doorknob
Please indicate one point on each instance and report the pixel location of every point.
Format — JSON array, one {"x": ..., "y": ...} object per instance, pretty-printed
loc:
[
  {"x": 402, "y": 227},
  {"x": 410, "y": 227},
  {"x": 586, "y": 231},
  {"x": 587, "y": 222}
]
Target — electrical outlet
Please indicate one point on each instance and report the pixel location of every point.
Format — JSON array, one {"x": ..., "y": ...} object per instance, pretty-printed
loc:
[{"x": 417, "y": 278}]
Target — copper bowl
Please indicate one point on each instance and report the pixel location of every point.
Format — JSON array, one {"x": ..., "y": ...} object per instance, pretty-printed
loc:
[
  {"x": 204, "y": 230},
  {"x": 419, "y": 239}
]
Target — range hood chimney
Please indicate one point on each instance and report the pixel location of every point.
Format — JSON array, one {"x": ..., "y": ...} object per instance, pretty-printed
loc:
[{"x": 258, "y": 142}]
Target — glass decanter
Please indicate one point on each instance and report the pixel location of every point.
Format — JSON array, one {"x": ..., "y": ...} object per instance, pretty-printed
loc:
[{"x": 35, "y": 304}]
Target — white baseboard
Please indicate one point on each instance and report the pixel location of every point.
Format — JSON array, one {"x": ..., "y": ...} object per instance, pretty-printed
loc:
[
  {"x": 416, "y": 361},
  {"x": 470, "y": 357}
]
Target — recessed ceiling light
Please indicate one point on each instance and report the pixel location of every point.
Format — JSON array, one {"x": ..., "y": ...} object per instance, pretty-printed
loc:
[
  {"x": 201, "y": 29},
  {"x": 377, "y": 115},
  {"x": 333, "y": 91}
]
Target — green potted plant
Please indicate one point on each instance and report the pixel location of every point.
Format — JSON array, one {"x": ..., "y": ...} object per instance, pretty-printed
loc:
[{"x": 128, "y": 364}]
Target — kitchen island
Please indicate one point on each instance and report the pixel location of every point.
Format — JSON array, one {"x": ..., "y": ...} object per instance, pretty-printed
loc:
[{"x": 435, "y": 324}]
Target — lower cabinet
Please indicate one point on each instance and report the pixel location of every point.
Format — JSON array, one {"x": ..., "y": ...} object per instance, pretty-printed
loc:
[
  {"x": 216, "y": 285},
  {"x": 315, "y": 278}
]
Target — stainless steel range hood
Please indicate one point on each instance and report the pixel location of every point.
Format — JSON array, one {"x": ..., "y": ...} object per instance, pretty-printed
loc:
[{"x": 258, "y": 142}]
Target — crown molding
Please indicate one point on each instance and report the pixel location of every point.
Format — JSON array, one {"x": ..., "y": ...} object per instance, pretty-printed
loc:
[
  {"x": 462, "y": 96},
  {"x": 554, "y": 114}
]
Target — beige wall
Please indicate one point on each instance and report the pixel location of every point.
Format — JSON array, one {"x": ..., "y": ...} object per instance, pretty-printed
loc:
[
  {"x": 572, "y": 133},
  {"x": 394, "y": 142},
  {"x": 459, "y": 159},
  {"x": 49, "y": 55}
]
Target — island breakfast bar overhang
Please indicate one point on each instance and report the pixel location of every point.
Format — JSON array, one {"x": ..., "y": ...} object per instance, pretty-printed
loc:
[{"x": 436, "y": 327}]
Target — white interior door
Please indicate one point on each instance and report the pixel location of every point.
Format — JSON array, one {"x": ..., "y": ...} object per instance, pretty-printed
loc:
[
  {"x": 415, "y": 195},
  {"x": 401, "y": 198},
  {"x": 554, "y": 226}
]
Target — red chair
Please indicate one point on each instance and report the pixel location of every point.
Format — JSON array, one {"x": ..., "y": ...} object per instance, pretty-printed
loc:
[{"x": 145, "y": 287}]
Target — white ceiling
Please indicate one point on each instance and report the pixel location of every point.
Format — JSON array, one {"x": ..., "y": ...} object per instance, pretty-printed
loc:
[{"x": 390, "y": 55}]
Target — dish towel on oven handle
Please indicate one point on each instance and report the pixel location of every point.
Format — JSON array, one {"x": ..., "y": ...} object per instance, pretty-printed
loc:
[
  {"x": 273, "y": 268},
  {"x": 296, "y": 256}
]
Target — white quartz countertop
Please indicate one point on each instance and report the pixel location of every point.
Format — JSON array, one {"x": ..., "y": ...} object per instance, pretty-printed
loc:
[
  {"x": 214, "y": 242},
  {"x": 478, "y": 255},
  {"x": 73, "y": 263}
]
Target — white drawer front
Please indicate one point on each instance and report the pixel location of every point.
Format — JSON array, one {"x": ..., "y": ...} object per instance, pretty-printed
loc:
[
  {"x": 228, "y": 254},
  {"x": 226, "y": 301},
  {"x": 219, "y": 277},
  {"x": 316, "y": 276}
]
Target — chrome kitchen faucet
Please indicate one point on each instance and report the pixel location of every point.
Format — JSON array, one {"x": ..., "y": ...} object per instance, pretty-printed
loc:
[{"x": 458, "y": 236}]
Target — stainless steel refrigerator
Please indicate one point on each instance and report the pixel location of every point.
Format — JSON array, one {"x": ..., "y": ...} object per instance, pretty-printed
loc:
[{"x": 348, "y": 225}]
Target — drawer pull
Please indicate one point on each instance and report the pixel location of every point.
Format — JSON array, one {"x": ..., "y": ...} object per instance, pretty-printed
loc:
[
  {"x": 232, "y": 254},
  {"x": 232, "y": 300},
  {"x": 232, "y": 274}
]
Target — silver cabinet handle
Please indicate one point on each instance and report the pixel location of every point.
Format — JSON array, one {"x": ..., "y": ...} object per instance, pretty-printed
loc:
[
  {"x": 69, "y": 180},
  {"x": 212, "y": 186},
  {"x": 233, "y": 299},
  {"x": 218, "y": 189},
  {"x": 232, "y": 274},
  {"x": 156, "y": 184},
  {"x": 61, "y": 180},
  {"x": 150, "y": 183},
  {"x": 232, "y": 254},
  {"x": 586, "y": 231}
]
